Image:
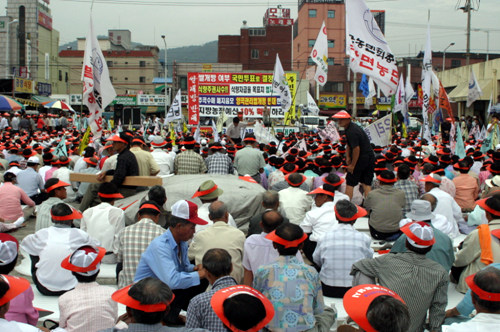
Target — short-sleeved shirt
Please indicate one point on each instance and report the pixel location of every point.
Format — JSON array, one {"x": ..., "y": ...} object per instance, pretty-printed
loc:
[{"x": 356, "y": 136}]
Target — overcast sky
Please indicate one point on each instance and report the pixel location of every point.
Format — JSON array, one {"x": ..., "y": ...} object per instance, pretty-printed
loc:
[{"x": 193, "y": 22}]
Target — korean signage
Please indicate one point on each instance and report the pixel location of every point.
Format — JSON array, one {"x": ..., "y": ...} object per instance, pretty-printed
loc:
[
  {"x": 44, "y": 19},
  {"x": 23, "y": 85},
  {"x": 129, "y": 100},
  {"x": 278, "y": 16},
  {"x": 361, "y": 100},
  {"x": 44, "y": 89},
  {"x": 75, "y": 99},
  {"x": 151, "y": 100},
  {"x": 327, "y": 100},
  {"x": 211, "y": 93}
]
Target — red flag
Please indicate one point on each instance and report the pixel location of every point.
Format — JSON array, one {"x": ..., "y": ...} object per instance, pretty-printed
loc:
[{"x": 444, "y": 103}]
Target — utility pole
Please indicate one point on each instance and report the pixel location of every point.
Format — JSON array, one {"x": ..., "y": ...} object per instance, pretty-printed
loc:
[{"x": 467, "y": 8}]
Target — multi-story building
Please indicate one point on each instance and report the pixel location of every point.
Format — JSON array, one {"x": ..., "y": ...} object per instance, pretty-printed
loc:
[
  {"x": 256, "y": 47},
  {"x": 131, "y": 70},
  {"x": 31, "y": 47}
]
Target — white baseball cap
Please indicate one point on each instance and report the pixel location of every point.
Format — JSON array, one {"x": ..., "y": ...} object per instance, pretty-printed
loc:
[
  {"x": 33, "y": 160},
  {"x": 187, "y": 210}
]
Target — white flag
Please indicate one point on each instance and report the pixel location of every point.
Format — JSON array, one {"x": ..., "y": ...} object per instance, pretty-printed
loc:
[
  {"x": 400, "y": 98},
  {"x": 280, "y": 85},
  {"x": 474, "y": 89},
  {"x": 371, "y": 93},
  {"x": 98, "y": 91},
  {"x": 197, "y": 133},
  {"x": 311, "y": 105},
  {"x": 409, "y": 92},
  {"x": 379, "y": 132},
  {"x": 426, "y": 86},
  {"x": 366, "y": 45},
  {"x": 221, "y": 120},
  {"x": 214, "y": 131},
  {"x": 175, "y": 110},
  {"x": 319, "y": 55}
]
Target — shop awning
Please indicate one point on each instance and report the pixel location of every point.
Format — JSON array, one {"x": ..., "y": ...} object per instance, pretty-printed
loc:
[
  {"x": 459, "y": 93},
  {"x": 29, "y": 102},
  {"x": 43, "y": 99}
]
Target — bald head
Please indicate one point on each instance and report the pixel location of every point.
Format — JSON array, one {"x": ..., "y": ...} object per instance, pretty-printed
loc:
[
  {"x": 431, "y": 199},
  {"x": 217, "y": 211},
  {"x": 270, "y": 220}
]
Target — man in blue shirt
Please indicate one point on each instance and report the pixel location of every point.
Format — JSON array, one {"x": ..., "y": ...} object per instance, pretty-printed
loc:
[{"x": 166, "y": 259}]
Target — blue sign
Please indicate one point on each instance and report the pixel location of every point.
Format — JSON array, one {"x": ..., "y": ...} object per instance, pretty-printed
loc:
[{"x": 44, "y": 89}]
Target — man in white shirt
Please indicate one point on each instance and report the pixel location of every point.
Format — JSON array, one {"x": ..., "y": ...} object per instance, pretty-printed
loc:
[
  {"x": 104, "y": 222},
  {"x": 319, "y": 220},
  {"x": 63, "y": 174},
  {"x": 208, "y": 193},
  {"x": 294, "y": 200},
  {"x": 446, "y": 205},
  {"x": 448, "y": 227},
  {"x": 339, "y": 248},
  {"x": 485, "y": 291},
  {"x": 258, "y": 250},
  {"x": 163, "y": 158},
  {"x": 49, "y": 246}
]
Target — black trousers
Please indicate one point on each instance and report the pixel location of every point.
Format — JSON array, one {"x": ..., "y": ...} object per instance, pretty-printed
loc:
[
  {"x": 309, "y": 247},
  {"x": 384, "y": 236},
  {"x": 181, "y": 300},
  {"x": 333, "y": 291}
]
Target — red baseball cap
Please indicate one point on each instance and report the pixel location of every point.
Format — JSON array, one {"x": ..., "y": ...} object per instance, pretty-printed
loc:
[
  {"x": 357, "y": 300},
  {"x": 288, "y": 244},
  {"x": 75, "y": 214},
  {"x": 342, "y": 115},
  {"x": 57, "y": 185},
  {"x": 85, "y": 260},
  {"x": 360, "y": 213},
  {"x": 432, "y": 178}
]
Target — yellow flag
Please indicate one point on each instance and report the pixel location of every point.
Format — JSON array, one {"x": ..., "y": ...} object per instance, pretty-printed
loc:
[
  {"x": 172, "y": 133},
  {"x": 85, "y": 141},
  {"x": 184, "y": 128}
]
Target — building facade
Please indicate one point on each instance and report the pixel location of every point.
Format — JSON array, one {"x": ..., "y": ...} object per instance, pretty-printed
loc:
[
  {"x": 256, "y": 47},
  {"x": 31, "y": 46},
  {"x": 131, "y": 70}
]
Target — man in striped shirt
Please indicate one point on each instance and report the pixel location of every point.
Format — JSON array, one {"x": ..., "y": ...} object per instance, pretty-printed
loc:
[
  {"x": 421, "y": 282},
  {"x": 133, "y": 241}
]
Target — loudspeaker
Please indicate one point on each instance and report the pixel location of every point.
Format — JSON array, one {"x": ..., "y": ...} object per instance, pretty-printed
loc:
[
  {"x": 118, "y": 113},
  {"x": 131, "y": 114}
]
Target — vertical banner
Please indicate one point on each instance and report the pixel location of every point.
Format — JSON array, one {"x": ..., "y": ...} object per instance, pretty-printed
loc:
[
  {"x": 367, "y": 48},
  {"x": 319, "y": 55},
  {"x": 98, "y": 91}
]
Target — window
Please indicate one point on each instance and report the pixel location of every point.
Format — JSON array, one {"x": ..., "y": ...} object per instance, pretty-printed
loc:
[
  {"x": 331, "y": 14},
  {"x": 313, "y": 12},
  {"x": 142, "y": 63},
  {"x": 337, "y": 86},
  {"x": 330, "y": 62},
  {"x": 142, "y": 79},
  {"x": 109, "y": 63},
  {"x": 347, "y": 61},
  {"x": 331, "y": 43},
  {"x": 66, "y": 79},
  {"x": 266, "y": 53},
  {"x": 257, "y": 32},
  {"x": 183, "y": 82},
  {"x": 60, "y": 75},
  {"x": 311, "y": 42},
  {"x": 310, "y": 62},
  {"x": 126, "y": 78},
  {"x": 255, "y": 53},
  {"x": 456, "y": 63},
  {"x": 111, "y": 79}
]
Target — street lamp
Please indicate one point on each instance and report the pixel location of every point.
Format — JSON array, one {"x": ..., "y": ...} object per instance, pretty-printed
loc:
[
  {"x": 7, "y": 49},
  {"x": 167, "y": 96},
  {"x": 444, "y": 53}
]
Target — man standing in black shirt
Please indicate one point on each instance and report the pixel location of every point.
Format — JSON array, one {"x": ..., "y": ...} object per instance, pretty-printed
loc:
[
  {"x": 126, "y": 165},
  {"x": 360, "y": 157}
]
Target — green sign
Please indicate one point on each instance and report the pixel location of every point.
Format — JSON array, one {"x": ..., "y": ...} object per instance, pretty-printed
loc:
[{"x": 125, "y": 100}]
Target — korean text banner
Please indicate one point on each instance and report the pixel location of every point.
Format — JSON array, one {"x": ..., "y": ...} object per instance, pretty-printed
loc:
[
  {"x": 211, "y": 93},
  {"x": 366, "y": 45},
  {"x": 379, "y": 132}
]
